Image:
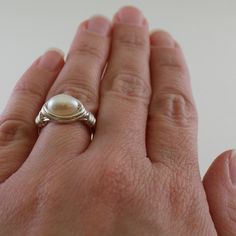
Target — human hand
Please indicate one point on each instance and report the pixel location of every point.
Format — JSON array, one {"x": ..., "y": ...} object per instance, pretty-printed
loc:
[{"x": 139, "y": 175}]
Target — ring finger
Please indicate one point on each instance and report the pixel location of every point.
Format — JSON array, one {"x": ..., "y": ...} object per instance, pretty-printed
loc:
[{"x": 79, "y": 78}]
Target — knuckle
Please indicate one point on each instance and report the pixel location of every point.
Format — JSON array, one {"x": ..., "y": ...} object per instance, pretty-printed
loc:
[
  {"x": 5, "y": 168},
  {"x": 115, "y": 183},
  {"x": 178, "y": 193},
  {"x": 45, "y": 194},
  {"x": 130, "y": 85},
  {"x": 12, "y": 129},
  {"x": 87, "y": 49},
  {"x": 131, "y": 39},
  {"x": 168, "y": 59},
  {"x": 183, "y": 199},
  {"x": 171, "y": 63},
  {"x": 28, "y": 89},
  {"x": 175, "y": 107}
]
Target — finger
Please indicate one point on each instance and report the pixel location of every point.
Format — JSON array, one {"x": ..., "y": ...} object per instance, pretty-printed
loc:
[
  {"x": 79, "y": 78},
  {"x": 18, "y": 132},
  {"x": 220, "y": 186},
  {"x": 125, "y": 88},
  {"x": 172, "y": 122}
]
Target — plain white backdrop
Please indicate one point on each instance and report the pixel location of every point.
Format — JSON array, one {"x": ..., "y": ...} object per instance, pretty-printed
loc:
[{"x": 205, "y": 29}]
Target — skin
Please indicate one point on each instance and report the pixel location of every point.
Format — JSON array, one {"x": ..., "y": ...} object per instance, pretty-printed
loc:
[{"x": 139, "y": 175}]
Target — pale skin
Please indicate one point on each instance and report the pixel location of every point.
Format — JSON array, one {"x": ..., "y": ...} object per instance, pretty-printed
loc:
[{"x": 139, "y": 175}]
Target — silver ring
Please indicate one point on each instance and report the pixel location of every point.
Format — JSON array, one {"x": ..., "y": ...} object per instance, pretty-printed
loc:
[{"x": 64, "y": 108}]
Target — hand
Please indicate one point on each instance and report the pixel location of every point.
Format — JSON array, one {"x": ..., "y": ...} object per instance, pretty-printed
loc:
[{"x": 139, "y": 175}]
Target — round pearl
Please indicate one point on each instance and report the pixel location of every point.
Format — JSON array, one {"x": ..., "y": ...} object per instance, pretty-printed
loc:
[{"x": 62, "y": 105}]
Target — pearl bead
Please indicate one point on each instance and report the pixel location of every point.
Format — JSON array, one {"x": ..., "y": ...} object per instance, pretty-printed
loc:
[{"x": 62, "y": 105}]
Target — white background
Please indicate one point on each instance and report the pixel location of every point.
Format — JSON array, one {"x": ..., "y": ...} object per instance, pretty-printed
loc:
[{"x": 205, "y": 29}]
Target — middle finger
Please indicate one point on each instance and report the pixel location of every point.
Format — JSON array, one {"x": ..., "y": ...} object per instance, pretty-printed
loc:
[{"x": 125, "y": 90}]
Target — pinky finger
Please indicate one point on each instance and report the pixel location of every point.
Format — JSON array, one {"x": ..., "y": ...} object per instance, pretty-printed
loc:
[{"x": 18, "y": 132}]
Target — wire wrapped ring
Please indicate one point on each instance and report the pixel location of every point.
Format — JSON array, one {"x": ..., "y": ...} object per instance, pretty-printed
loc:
[{"x": 64, "y": 108}]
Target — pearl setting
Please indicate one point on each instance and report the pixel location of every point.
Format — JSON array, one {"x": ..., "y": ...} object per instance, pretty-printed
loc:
[{"x": 62, "y": 105}]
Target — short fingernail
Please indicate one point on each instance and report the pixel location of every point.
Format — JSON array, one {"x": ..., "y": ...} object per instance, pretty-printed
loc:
[
  {"x": 100, "y": 25},
  {"x": 162, "y": 39},
  {"x": 51, "y": 60},
  {"x": 232, "y": 167},
  {"x": 130, "y": 15}
]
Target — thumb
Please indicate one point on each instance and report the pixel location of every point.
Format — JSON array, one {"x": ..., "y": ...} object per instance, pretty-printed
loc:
[{"x": 220, "y": 186}]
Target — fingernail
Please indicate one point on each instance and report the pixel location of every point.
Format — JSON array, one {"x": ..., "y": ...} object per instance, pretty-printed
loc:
[
  {"x": 162, "y": 39},
  {"x": 232, "y": 167},
  {"x": 130, "y": 15},
  {"x": 100, "y": 25},
  {"x": 51, "y": 59}
]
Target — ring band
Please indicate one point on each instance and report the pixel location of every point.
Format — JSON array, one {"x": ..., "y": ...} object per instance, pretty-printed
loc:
[{"x": 64, "y": 108}]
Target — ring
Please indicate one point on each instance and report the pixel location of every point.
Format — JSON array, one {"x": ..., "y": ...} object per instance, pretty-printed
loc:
[{"x": 64, "y": 108}]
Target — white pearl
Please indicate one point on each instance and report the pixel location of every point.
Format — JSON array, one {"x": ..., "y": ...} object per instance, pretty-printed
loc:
[{"x": 62, "y": 105}]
